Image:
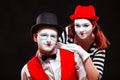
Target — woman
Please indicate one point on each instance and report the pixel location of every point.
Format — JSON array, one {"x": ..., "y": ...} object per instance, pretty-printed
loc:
[{"x": 85, "y": 32}]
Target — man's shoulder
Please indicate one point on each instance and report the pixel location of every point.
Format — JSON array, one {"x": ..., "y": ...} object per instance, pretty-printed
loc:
[{"x": 66, "y": 50}]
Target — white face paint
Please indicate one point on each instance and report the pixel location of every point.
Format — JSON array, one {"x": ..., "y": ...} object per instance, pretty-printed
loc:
[
  {"x": 83, "y": 28},
  {"x": 47, "y": 39}
]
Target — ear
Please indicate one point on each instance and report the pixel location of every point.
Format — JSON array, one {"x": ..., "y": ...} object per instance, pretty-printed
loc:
[
  {"x": 35, "y": 37},
  {"x": 93, "y": 27}
]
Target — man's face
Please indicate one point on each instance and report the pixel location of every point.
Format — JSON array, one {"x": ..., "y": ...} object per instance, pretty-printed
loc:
[
  {"x": 47, "y": 39},
  {"x": 83, "y": 28}
]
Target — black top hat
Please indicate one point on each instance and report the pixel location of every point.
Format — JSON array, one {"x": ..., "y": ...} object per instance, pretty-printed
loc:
[{"x": 46, "y": 19}]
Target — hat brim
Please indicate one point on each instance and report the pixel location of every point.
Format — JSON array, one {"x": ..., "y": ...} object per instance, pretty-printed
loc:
[
  {"x": 35, "y": 28},
  {"x": 73, "y": 17}
]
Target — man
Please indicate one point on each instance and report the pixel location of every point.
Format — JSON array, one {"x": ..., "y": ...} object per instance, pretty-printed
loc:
[{"x": 51, "y": 62}]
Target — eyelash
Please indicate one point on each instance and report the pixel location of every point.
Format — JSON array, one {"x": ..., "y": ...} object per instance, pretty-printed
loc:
[
  {"x": 47, "y": 35},
  {"x": 83, "y": 25}
]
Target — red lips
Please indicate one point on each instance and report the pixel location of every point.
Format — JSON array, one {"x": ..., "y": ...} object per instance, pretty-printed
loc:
[
  {"x": 81, "y": 33},
  {"x": 48, "y": 44}
]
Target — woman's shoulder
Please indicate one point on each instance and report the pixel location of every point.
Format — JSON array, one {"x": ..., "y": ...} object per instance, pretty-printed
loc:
[{"x": 95, "y": 50}]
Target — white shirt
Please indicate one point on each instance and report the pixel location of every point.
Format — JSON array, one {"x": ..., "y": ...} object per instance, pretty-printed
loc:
[{"x": 53, "y": 67}]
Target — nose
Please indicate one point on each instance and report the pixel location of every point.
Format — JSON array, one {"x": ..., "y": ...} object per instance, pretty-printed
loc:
[
  {"x": 81, "y": 29},
  {"x": 49, "y": 39}
]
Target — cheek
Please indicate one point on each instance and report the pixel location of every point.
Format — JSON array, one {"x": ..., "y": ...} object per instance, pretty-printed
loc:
[
  {"x": 54, "y": 41},
  {"x": 40, "y": 42},
  {"x": 89, "y": 30},
  {"x": 77, "y": 30}
]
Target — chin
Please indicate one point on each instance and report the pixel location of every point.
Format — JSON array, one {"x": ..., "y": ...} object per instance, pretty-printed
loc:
[
  {"x": 48, "y": 51},
  {"x": 83, "y": 38}
]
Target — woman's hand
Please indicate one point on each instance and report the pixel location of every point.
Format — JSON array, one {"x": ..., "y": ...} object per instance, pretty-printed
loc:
[{"x": 74, "y": 48}]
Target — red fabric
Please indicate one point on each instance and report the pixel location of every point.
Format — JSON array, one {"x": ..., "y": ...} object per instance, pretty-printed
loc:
[
  {"x": 68, "y": 71},
  {"x": 35, "y": 69},
  {"x": 84, "y": 12}
]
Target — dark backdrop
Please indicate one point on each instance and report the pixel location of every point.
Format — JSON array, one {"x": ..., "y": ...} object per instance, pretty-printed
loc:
[{"x": 17, "y": 17}]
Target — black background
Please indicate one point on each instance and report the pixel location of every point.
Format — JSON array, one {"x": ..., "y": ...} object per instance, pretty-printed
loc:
[{"x": 17, "y": 17}]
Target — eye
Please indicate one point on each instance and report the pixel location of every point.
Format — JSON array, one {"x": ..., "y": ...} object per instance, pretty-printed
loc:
[
  {"x": 43, "y": 35},
  {"x": 77, "y": 25},
  {"x": 86, "y": 25},
  {"x": 53, "y": 36}
]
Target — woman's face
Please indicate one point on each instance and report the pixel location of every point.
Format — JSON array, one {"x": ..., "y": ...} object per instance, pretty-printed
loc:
[
  {"x": 83, "y": 28},
  {"x": 47, "y": 39}
]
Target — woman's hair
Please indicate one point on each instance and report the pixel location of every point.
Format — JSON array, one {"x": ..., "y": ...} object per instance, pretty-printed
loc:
[
  {"x": 100, "y": 39},
  {"x": 71, "y": 31}
]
